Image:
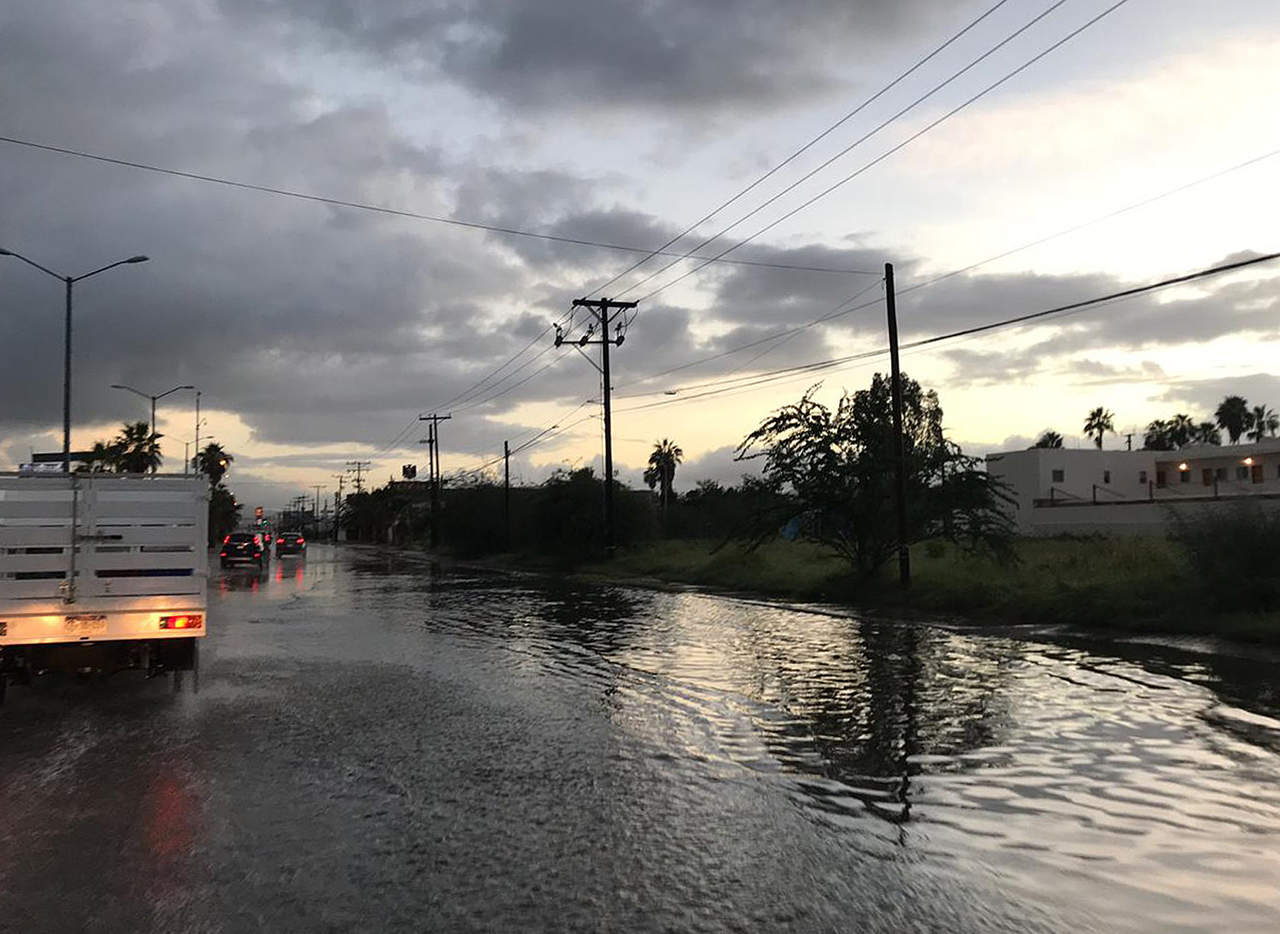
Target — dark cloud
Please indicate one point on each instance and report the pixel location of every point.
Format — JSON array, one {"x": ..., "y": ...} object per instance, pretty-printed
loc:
[
  {"x": 571, "y": 54},
  {"x": 1203, "y": 395}
]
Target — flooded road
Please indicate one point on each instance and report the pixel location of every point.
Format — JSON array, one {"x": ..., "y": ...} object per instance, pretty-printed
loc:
[{"x": 380, "y": 746}]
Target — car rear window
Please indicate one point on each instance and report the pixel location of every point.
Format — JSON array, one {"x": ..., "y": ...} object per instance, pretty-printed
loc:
[{"x": 241, "y": 537}]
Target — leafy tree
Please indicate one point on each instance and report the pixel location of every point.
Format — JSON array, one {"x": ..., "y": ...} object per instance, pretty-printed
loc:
[
  {"x": 661, "y": 471},
  {"x": 1233, "y": 417},
  {"x": 224, "y": 513},
  {"x": 1157, "y": 436},
  {"x": 136, "y": 449},
  {"x": 1050, "y": 439},
  {"x": 837, "y": 469},
  {"x": 1264, "y": 421},
  {"x": 1206, "y": 433},
  {"x": 212, "y": 462},
  {"x": 103, "y": 457},
  {"x": 1180, "y": 428},
  {"x": 1098, "y": 423}
]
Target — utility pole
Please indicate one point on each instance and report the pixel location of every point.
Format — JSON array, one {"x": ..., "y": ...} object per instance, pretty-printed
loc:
[
  {"x": 506, "y": 492},
  {"x": 358, "y": 468},
  {"x": 900, "y": 460},
  {"x": 433, "y": 454},
  {"x": 604, "y": 311},
  {"x": 337, "y": 503},
  {"x": 197, "y": 445},
  {"x": 315, "y": 512}
]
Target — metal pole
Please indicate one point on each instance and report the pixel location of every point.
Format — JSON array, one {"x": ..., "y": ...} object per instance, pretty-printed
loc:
[
  {"x": 197, "y": 445},
  {"x": 66, "y": 386},
  {"x": 900, "y": 460},
  {"x": 153, "y": 430},
  {"x": 506, "y": 492},
  {"x": 608, "y": 427}
]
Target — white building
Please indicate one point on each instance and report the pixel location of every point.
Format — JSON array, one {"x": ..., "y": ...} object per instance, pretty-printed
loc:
[{"x": 1060, "y": 490}]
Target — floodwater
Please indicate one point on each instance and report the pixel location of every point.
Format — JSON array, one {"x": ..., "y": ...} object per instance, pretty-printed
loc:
[{"x": 382, "y": 745}]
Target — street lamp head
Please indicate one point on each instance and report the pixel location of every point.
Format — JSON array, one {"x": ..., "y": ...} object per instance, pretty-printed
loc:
[{"x": 137, "y": 259}]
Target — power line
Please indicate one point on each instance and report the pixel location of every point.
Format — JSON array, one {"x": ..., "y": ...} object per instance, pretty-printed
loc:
[
  {"x": 756, "y": 380},
  {"x": 840, "y": 310},
  {"x": 397, "y": 212},
  {"x": 910, "y": 139},
  {"x": 857, "y": 142},
  {"x": 803, "y": 149}
]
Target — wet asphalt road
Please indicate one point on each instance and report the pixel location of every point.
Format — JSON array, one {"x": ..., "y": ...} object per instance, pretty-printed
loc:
[{"x": 377, "y": 745}]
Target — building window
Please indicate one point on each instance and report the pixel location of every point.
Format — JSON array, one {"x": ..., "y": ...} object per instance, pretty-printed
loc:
[
  {"x": 1206, "y": 475},
  {"x": 1221, "y": 473},
  {"x": 1162, "y": 478},
  {"x": 1142, "y": 477},
  {"x": 1242, "y": 472},
  {"x": 1256, "y": 473},
  {"x": 1184, "y": 476},
  {"x": 1059, "y": 476},
  {"x": 1106, "y": 476}
]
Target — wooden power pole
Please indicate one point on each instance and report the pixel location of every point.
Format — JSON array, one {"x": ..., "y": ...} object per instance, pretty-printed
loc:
[
  {"x": 900, "y": 446},
  {"x": 506, "y": 492},
  {"x": 604, "y": 311},
  {"x": 433, "y": 457}
]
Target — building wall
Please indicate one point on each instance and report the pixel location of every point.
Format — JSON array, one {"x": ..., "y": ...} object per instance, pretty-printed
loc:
[{"x": 1060, "y": 491}]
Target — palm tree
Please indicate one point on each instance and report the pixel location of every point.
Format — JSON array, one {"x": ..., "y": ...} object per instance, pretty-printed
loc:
[
  {"x": 1180, "y": 428},
  {"x": 661, "y": 471},
  {"x": 136, "y": 449},
  {"x": 1157, "y": 436},
  {"x": 1050, "y": 439},
  {"x": 1206, "y": 433},
  {"x": 212, "y": 462},
  {"x": 1264, "y": 422},
  {"x": 1099, "y": 422},
  {"x": 1234, "y": 417}
]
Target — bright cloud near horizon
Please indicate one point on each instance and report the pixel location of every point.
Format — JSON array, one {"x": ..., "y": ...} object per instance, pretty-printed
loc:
[{"x": 317, "y": 333}]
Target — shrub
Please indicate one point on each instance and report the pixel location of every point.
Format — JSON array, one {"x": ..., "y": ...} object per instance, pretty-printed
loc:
[{"x": 1233, "y": 554}]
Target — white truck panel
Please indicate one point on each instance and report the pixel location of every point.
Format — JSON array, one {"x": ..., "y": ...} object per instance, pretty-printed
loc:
[{"x": 140, "y": 554}]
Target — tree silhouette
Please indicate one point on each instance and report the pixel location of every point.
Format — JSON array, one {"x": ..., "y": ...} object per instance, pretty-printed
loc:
[
  {"x": 1233, "y": 417},
  {"x": 1264, "y": 421},
  {"x": 1098, "y": 423},
  {"x": 1050, "y": 439},
  {"x": 1181, "y": 427},
  {"x": 1157, "y": 436},
  {"x": 661, "y": 471},
  {"x": 135, "y": 449},
  {"x": 212, "y": 462},
  {"x": 1206, "y": 433}
]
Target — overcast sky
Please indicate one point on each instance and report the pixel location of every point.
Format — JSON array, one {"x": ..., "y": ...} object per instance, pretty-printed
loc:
[{"x": 317, "y": 333}]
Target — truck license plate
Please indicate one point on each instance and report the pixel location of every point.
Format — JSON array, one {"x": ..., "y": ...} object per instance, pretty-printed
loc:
[{"x": 87, "y": 625}]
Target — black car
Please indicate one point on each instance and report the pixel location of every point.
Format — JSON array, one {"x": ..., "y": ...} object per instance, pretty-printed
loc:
[
  {"x": 245, "y": 548},
  {"x": 290, "y": 543}
]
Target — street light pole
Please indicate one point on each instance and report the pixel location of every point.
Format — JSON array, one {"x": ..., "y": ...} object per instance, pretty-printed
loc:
[
  {"x": 68, "y": 281},
  {"x": 153, "y": 398}
]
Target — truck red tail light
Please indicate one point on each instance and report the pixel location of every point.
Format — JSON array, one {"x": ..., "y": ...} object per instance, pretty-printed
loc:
[{"x": 186, "y": 621}]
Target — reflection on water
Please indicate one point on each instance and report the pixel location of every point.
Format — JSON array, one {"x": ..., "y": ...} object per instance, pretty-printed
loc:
[{"x": 1065, "y": 769}]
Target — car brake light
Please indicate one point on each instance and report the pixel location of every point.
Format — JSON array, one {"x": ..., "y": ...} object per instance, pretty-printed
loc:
[
  {"x": 189, "y": 621},
  {"x": 300, "y": 541},
  {"x": 222, "y": 554},
  {"x": 226, "y": 540},
  {"x": 279, "y": 541}
]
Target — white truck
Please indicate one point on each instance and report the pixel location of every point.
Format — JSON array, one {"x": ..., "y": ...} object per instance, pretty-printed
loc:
[{"x": 101, "y": 572}]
